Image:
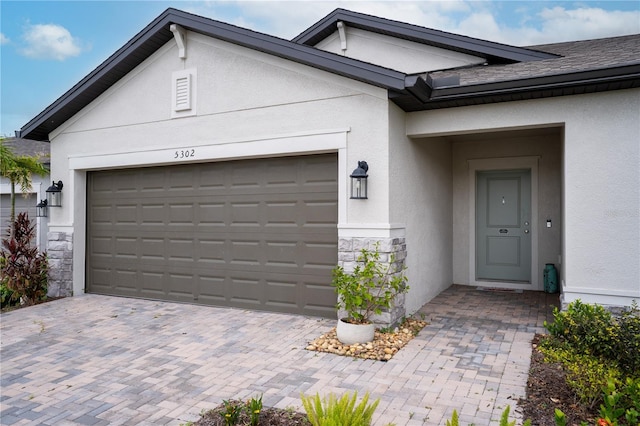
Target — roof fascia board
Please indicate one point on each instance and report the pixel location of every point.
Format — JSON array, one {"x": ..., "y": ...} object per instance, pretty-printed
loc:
[
  {"x": 372, "y": 74},
  {"x": 437, "y": 38},
  {"x": 94, "y": 76},
  {"x": 353, "y": 68}
]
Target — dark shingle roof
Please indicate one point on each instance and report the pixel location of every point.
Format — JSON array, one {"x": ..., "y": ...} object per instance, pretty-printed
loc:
[
  {"x": 575, "y": 56},
  {"x": 582, "y": 67},
  {"x": 28, "y": 147}
]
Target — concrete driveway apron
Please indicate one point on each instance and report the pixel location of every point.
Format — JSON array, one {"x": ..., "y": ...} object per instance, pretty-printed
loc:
[{"x": 99, "y": 360}]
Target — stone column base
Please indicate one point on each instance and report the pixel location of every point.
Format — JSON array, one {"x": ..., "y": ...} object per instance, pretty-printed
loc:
[
  {"x": 348, "y": 251},
  {"x": 60, "y": 256}
]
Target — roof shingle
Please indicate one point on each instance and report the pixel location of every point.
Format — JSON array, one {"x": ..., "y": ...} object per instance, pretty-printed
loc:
[{"x": 575, "y": 56}]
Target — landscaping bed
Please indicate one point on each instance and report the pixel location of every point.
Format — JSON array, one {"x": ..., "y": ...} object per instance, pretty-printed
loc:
[
  {"x": 385, "y": 343},
  {"x": 547, "y": 389}
]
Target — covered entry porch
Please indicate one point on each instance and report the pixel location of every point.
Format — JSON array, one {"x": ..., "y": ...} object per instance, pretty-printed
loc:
[{"x": 455, "y": 232}]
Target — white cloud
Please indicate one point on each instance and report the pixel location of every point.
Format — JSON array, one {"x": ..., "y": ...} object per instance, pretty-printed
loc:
[
  {"x": 587, "y": 23},
  {"x": 49, "y": 41},
  {"x": 4, "y": 39}
]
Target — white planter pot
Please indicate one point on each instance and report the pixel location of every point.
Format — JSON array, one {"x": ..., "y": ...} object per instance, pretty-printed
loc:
[{"x": 350, "y": 334}]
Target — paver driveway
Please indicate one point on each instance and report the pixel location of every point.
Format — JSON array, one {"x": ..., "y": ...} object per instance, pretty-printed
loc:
[{"x": 98, "y": 360}]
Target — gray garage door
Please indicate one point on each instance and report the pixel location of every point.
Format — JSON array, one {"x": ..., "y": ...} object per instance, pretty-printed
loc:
[{"x": 256, "y": 234}]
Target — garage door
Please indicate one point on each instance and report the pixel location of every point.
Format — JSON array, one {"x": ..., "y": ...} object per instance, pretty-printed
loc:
[{"x": 256, "y": 234}]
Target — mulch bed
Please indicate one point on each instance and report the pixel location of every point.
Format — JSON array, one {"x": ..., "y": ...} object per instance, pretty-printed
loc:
[
  {"x": 547, "y": 390},
  {"x": 384, "y": 346},
  {"x": 268, "y": 417}
]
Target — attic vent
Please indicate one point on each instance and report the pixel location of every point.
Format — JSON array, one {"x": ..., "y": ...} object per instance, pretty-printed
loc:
[
  {"x": 183, "y": 99},
  {"x": 183, "y": 93}
]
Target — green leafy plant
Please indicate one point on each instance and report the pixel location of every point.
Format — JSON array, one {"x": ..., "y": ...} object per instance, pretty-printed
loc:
[
  {"x": 24, "y": 268},
  {"x": 331, "y": 411},
  {"x": 621, "y": 402},
  {"x": 231, "y": 413},
  {"x": 504, "y": 419},
  {"x": 7, "y": 296},
  {"x": 370, "y": 288},
  {"x": 454, "y": 419},
  {"x": 560, "y": 418},
  {"x": 254, "y": 407}
]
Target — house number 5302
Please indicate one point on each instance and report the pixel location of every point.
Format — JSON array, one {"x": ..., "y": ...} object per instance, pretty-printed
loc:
[{"x": 185, "y": 153}]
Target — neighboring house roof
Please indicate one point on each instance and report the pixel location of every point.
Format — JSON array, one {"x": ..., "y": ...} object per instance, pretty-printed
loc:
[
  {"x": 28, "y": 147},
  {"x": 535, "y": 72}
]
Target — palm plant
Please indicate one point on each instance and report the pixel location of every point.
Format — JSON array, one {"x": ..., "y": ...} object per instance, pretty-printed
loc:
[{"x": 19, "y": 169}]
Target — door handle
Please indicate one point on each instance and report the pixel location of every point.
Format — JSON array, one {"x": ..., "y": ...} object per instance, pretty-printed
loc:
[{"x": 526, "y": 231}]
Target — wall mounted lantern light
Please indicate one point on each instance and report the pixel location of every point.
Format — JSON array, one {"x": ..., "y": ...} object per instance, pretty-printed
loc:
[
  {"x": 41, "y": 208},
  {"x": 359, "y": 181},
  {"x": 54, "y": 194}
]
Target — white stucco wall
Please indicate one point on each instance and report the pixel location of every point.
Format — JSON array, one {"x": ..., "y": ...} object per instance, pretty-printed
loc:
[
  {"x": 248, "y": 105},
  {"x": 420, "y": 199},
  {"x": 601, "y": 176},
  {"x": 391, "y": 52}
]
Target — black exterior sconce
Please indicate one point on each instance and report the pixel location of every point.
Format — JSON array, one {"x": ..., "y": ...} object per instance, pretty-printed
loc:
[
  {"x": 359, "y": 181},
  {"x": 41, "y": 209},
  {"x": 54, "y": 194}
]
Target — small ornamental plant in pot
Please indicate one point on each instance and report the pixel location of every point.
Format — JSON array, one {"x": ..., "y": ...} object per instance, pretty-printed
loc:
[{"x": 371, "y": 287}]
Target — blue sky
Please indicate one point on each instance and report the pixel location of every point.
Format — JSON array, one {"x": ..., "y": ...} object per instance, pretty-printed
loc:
[{"x": 48, "y": 46}]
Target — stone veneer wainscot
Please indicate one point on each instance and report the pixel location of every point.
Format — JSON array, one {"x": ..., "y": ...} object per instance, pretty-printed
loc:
[
  {"x": 60, "y": 256},
  {"x": 349, "y": 250}
]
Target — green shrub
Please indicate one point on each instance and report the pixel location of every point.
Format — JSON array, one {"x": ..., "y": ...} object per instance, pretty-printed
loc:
[
  {"x": 7, "y": 296},
  {"x": 332, "y": 411},
  {"x": 23, "y": 269},
  {"x": 370, "y": 288},
  {"x": 628, "y": 342},
  {"x": 588, "y": 329},
  {"x": 592, "y": 330}
]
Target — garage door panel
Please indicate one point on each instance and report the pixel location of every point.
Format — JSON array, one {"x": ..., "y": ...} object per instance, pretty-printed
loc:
[
  {"x": 212, "y": 286},
  {"x": 181, "y": 286},
  {"x": 102, "y": 214},
  {"x": 211, "y": 213},
  {"x": 152, "y": 283},
  {"x": 281, "y": 293},
  {"x": 257, "y": 234}
]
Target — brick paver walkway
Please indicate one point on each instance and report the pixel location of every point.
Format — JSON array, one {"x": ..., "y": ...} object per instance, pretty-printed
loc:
[{"x": 98, "y": 360}]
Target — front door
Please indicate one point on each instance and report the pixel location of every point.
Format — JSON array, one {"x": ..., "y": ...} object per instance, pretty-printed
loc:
[{"x": 503, "y": 226}]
